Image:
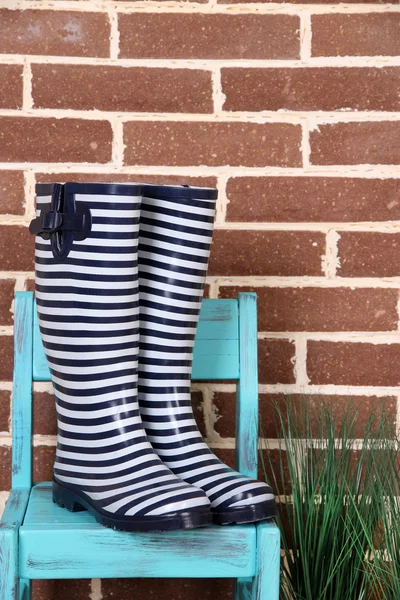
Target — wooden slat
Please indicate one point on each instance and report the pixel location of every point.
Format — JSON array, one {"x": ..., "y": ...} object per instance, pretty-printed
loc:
[
  {"x": 58, "y": 544},
  {"x": 247, "y": 389},
  {"x": 216, "y": 351},
  {"x": 22, "y": 391},
  {"x": 10, "y": 522}
]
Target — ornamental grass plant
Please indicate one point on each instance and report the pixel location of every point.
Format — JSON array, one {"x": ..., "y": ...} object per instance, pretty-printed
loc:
[{"x": 337, "y": 476}]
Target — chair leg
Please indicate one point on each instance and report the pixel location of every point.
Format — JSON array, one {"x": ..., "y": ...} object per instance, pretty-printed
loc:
[
  {"x": 9, "y": 581},
  {"x": 242, "y": 589},
  {"x": 24, "y": 589},
  {"x": 266, "y": 582}
]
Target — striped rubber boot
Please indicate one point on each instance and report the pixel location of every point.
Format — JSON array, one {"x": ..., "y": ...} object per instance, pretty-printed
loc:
[
  {"x": 176, "y": 227},
  {"x": 87, "y": 300}
]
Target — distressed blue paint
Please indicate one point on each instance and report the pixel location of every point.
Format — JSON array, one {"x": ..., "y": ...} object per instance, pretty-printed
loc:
[
  {"x": 84, "y": 547},
  {"x": 25, "y": 589},
  {"x": 247, "y": 388},
  {"x": 22, "y": 391},
  {"x": 54, "y": 543},
  {"x": 9, "y": 528},
  {"x": 266, "y": 582}
]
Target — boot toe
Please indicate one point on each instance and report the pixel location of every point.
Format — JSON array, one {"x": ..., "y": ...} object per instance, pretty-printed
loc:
[{"x": 254, "y": 502}]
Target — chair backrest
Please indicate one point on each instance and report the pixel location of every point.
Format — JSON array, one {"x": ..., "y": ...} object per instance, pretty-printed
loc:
[{"x": 225, "y": 349}]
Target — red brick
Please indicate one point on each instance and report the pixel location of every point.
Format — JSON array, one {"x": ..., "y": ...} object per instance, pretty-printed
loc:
[
  {"x": 30, "y": 139},
  {"x": 16, "y": 248},
  {"x": 12, "y": 192},
  {"x": 6, "y": 357},
  {"x": 11, "y": 94},
  {"x": 5, "y": 468},
  {"x": 195, "y": 144},
  {"x": 5, "y": 399},
  {"x": 323, "y": 309},
  {"x": 174, "y": 589},
  {"x": 85, "y": 87},
  {"x": 352, "y": 410},
  {"x": 275, "y": 361},
  {"x": 355, "y": 143},
  {"x": 312, "y": 199},
  {"x": 44, "y": 414},
  {"x": 112, "y": 177},
  {"x": 311, "y": 89},
  {"x": 356, "y": 34},
  {"x": 369, "y": 254},
  {"x": 57, "y": 33},
  {"x": 273, "y": 467},
  {"x": 351, "y": 363},
  {"x": 282, "y": 253},
  {"x": 43, "y": 460},
  {"x": 218, "y": 36},
  {"x": 6, "y": 298},
  {"x": 30, "y": 285},
  {"x": 225, "y": 409},
  {"x": 61, "y": 589}
]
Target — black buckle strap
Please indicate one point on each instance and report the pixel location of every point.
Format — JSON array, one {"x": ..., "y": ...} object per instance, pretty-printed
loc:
[{"x": 52, "y": 221}]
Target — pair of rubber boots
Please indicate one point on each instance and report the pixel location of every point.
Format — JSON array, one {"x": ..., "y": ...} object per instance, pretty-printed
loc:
[{"x": 120, "y": 272}]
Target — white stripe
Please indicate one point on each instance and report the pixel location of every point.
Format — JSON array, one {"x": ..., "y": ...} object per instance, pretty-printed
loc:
[{"x": 255, "y": 500}]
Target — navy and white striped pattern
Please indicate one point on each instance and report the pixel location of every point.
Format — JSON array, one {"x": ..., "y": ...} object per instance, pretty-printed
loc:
[
  {"x": 88, "y": 308},
  {"x": 174, "y": 248}
]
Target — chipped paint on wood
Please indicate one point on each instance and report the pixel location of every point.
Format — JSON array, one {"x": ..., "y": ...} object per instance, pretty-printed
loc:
[
  {"x": 22, "y": 391},
  {"x": 9, "y": 527}
]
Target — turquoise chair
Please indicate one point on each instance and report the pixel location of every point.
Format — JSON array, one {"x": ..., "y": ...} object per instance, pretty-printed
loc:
[{"x": 39, "y": 540}]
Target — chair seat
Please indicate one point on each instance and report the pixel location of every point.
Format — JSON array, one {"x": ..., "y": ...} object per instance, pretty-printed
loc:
[{"x": 58, "y": 544}]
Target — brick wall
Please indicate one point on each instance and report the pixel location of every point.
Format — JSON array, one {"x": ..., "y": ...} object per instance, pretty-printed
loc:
[{"x": 293, "y": 110}]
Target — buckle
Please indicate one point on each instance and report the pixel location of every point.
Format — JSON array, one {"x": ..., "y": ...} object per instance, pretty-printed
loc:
[
  {"x": 48, "y": 222},
  {"x": 51, "y": 221}
]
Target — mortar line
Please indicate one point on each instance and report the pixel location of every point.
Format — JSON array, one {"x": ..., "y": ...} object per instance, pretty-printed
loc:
[
  {"x": 364, "y": 337},
  {"x": 222, "y": 201},
  {"x": 217, "y": 93},
  {"x": 341, "y": 171},
  {"x": 29, "y": 193},
  {"x": 316, "y": 118},
  {"x": 370, "y": 226},
  {"x": 384, "y": 227},
  {"x": 210, "y": 7},
  {"x": 114, "y": 33},
  {"x": 27, "y": 100},
  {"x": 117, "y": 142},
  {"x": 305, "y": 35},
  {"x": 209, "y": 64},
  {"x": 311, "y": 389},
  {"x": 299, "y": 361},
  {"x": 6, "y": 330},
  {"x": 266, "y": 281},
  {"x": 3, "y": 499},
  {"x": 331, "y": 261},
  {"x": 95, "y": 590},
  {"x": 19, "y": 287},
  {"x": 213, "y": 289}
]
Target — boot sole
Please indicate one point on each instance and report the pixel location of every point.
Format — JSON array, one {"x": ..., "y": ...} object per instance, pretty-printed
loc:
[
  {"x": 246, "y": 514},
  {"x": 74, "y": 502}
]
